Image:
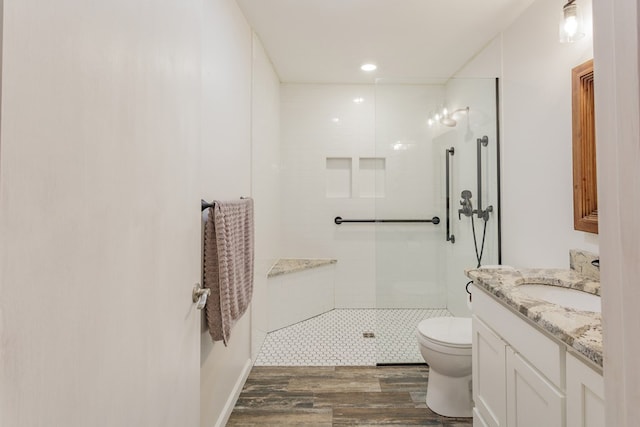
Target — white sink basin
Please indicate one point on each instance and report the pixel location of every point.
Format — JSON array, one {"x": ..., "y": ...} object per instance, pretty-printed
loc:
[{"x": 565, "y": 297}]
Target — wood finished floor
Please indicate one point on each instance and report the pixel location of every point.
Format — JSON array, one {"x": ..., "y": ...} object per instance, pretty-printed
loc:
[{"x": 338, "y": 396}]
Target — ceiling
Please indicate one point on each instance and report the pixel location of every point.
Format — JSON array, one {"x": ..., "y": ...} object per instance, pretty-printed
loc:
[{"x": 326, "y": 41}]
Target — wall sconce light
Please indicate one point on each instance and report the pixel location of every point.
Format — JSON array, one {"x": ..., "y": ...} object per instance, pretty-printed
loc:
[{"x": 571, "y": 25}]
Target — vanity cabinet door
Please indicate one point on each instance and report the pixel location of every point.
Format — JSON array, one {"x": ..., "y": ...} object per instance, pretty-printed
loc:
[
  {"x": 489, "y": 375},
  {"x": 532, "y": 401},
  {"x": 585, "y": 395},
  {"x": 478, "y": 421}
]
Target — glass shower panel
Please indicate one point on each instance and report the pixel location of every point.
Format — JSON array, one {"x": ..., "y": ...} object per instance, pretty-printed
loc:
[
  {"x": 407, "y": 257},
  {"x": 419, "y": 274},
  {"x": 481, "y": 96}
]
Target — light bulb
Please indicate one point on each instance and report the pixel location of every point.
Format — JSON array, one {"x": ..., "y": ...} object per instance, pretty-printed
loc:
[{"x": 571, "y": 27}]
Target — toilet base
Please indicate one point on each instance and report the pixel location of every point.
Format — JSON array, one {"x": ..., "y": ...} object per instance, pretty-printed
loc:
[{"x": 449, "y": 396}]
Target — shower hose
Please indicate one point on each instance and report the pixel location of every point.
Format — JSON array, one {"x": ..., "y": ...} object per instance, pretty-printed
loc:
[{"x": 475, "y": 245}]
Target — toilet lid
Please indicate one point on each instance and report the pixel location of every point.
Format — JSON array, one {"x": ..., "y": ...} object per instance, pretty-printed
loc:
[{"x": 453, "y": 331}]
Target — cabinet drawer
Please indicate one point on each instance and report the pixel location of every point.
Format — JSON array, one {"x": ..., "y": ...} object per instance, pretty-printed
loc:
[{"x": 539, "y": 349}]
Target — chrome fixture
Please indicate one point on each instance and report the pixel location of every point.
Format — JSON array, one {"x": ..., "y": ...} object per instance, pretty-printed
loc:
[{"x": 199, "y": 296}]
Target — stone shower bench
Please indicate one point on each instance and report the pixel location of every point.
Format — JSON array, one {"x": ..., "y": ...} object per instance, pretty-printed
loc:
[
  {"x": 297, "y": 297},
  {"x": 292, "y": 265}
]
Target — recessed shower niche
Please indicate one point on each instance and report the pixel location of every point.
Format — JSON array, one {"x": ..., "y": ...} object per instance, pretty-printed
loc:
[
  {"x": 370, "y": 175},
  {"x": 339, "y": 177}
]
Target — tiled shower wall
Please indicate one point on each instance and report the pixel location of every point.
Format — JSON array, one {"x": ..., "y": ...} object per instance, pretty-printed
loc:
[{"x": 361, "y": 151}]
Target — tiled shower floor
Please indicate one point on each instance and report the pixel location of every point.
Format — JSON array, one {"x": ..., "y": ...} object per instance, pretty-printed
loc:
[{"x": 336, "y": 338}]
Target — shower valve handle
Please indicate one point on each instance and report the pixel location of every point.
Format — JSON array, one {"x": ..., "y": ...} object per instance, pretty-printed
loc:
[{"x": 467, "y": 207}]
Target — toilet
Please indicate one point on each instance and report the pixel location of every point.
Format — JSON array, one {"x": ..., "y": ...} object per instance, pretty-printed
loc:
[{"x": 445, "y": 344}]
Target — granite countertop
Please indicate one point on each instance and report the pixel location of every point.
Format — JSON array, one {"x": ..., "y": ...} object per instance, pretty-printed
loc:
[
  {"x": 579, "y": 330},
  {"x": 291, "y": 265}
]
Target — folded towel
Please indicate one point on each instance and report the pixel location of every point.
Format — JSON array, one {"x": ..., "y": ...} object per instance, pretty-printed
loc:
[{"x": 228, "y": 264}]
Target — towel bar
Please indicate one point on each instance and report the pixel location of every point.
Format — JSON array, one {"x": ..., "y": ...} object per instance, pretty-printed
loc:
[{"x": 205, "y": 205}]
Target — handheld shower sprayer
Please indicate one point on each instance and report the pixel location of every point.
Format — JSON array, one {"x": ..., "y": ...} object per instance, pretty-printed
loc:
[{"x": 467, "y": 206}]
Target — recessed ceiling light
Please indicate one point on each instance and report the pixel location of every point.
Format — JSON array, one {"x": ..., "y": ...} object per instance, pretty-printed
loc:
[
  {"x": 358, "y": 100},
  {"x": 368, "y": 67}
]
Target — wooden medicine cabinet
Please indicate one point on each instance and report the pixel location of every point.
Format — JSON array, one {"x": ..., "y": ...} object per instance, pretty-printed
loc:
[{"x": 585, "y": 188}]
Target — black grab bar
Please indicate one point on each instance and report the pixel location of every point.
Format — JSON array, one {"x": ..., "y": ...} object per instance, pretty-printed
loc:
[
  {"x": 435, "y": 220},
  {"x": 450, "y": 237}
]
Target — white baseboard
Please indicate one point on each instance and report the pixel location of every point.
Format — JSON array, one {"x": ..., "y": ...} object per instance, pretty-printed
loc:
[{"x": 233, "y": 397}]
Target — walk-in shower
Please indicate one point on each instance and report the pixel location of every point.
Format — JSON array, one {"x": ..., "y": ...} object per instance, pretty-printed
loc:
[{"x": 374, "y": 185}]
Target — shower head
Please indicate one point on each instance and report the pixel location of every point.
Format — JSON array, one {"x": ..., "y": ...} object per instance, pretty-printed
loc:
[{"x": 448, "y": 119}]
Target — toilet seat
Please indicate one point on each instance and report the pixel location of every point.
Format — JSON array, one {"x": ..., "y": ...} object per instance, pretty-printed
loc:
[{"x": 451, "y": 332}]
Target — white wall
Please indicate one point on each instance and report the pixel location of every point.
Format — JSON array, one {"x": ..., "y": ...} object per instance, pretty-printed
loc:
[
  {"x": 226, "y": 174},
  {"x": 116, "y": 120},
  {"x": 485, "y": 64},
  {"x": 140, "y": 112},
  {"x": 537, "y": 183},
  {"x": 308, "y": 136},
  {"x": 100, "y": 227},
  {"x": 265, "y": 185}
]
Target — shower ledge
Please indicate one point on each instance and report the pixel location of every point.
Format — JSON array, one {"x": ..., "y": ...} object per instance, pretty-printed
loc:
[{"x": 292, "y": 265}]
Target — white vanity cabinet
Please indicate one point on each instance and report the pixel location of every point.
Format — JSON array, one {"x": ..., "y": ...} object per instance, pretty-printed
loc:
[
  {"x": 523, "y": 378},
  {"x": 585, "y": 395}
]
